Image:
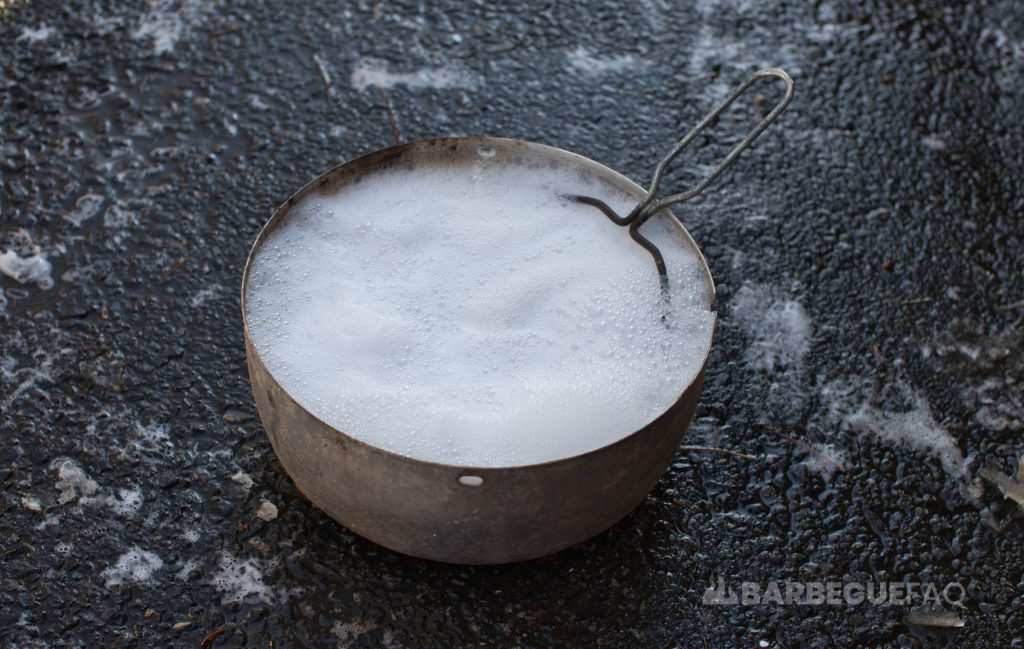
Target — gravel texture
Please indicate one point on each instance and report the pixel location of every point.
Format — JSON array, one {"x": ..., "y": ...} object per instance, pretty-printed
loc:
[{"x": 868, "y": 256}]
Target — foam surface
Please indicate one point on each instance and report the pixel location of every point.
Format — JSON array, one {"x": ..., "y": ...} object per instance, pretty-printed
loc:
[{"x": 474, "y": 316}]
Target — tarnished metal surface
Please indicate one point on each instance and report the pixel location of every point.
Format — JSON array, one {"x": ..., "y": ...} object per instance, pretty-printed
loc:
[{"x": 464, "y": 514}]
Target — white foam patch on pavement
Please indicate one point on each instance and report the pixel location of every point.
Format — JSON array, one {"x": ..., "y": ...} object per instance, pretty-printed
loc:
[
  {"x": 779, "y": 329},
  {"x": 826, "y": 459},
  {"x": 119, "y": 215},
  {"x": 187, "y": 568},
  {"x": 31, "y": 269},
  {"x": 714, "y": 48},
  {"x": 166, "y": 21},
  {"x": 41, "y": 33},
  {"x": 26, "y": 378},
  {"x": 205, "y": 295},
  {"x": 915, "y": 428},
  {"x": 347, "y": 632},
  {"x": 998, "y": 404},
  {"x": 376, "y": 72},
  {"x": 1010, "y": 46},
  {"x": 153, "y": 433},
  {"x": 134, "y": 566},
  {"x": 126, "y": 503},
  {"x": 73, "y": 482},
  {"x": 86, "y": 207},
  {"x": 238, "y": 579},
  {"x": 595, "y": 65}
]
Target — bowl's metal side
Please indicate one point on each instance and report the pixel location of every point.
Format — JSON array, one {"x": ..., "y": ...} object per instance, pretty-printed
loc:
[{"x": 421, "y": 508}]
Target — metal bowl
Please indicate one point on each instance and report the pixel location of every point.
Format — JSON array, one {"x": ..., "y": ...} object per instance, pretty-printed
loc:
[{"x": 464, "y": 514}]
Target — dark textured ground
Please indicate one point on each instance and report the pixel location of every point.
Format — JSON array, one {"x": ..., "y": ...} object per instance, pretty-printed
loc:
[{"x": 868, "y": 255}]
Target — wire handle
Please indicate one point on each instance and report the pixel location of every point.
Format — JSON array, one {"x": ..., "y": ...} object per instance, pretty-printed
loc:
[{"x": 650, "y": 205}]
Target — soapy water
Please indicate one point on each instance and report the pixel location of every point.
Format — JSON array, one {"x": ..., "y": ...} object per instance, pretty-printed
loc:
[{"x": 475, "y": 316}]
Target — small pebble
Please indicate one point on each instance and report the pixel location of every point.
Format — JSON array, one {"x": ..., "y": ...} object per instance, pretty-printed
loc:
[
  {"x": 234, "y": 416},
  {"x": 243, "y": 479},
  {"x": 267, "y": 511}
]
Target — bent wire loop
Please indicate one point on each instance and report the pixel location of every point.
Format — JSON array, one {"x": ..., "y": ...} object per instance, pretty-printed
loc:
[{"x": 650, "y": 205}]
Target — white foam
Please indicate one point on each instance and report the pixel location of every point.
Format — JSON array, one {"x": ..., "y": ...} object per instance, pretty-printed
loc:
[
  {"x": 136, "y": 566},
  {"x": 72, "y": 482},
  {"x": 594, "y": 65},
  {"x": 376, "y": 72},
  {"x": 166, "y": 21},
  {"x": 31, "y": 269},
  {"x": 86, "y": 207},
  {"x": 27, "y": 378},
  {"x": 205, "y": 295},
  {"x": 187, "y": 568},
  {"x": 119, "y": 215},
  {"x": 41, "y": 33},
  {"x": 933, "y": 143},
  {"x": 779, "y": 330},
  {"x": 153, "y": 433},
  {"x": 915, "y": 428},
  {"x": 474, "y": 316},
  {"x": 347, "y": 632},
  {"x": 240, "y": 579},
  {"x": 713, "y": 48},
  {"x": 826, "y": 459},
  {"x": 126, "y": 503}
]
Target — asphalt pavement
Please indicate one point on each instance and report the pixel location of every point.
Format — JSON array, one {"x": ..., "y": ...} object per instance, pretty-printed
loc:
[{"x": 867, "y": 368}]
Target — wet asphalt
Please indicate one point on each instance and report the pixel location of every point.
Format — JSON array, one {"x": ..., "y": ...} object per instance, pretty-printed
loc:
[{"x": 867, "y": 252}]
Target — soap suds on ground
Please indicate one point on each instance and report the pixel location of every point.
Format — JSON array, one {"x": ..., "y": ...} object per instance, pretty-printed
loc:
[
  {"x": 135, "y": 566},
  {"x": 72, "y": 482},
  {"x": 376, "y": 72},
  {"x": 166, "y": 22},
  {"x": 779, "y": 329},
  {"x": 25, "y": 262},
  {"x": 24, "y": 379},
  {"x": 187, "y": 568},
  {"x": 826, "y": 459},
  {"x": 126, "y": 503},
  {"x": 595, "y": 65},
  {"x": 238, "y": 580},
  {"x": 205, "y": 295},
  {"x": 86, "y": 207},
  {"x": 153, "y": 433},
  {"x": 913, "y": 426},
  {"x": 36, "y": 35}
]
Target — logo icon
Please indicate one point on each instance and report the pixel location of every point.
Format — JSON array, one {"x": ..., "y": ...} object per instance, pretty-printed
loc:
[{"x": 720, "y": 595}]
